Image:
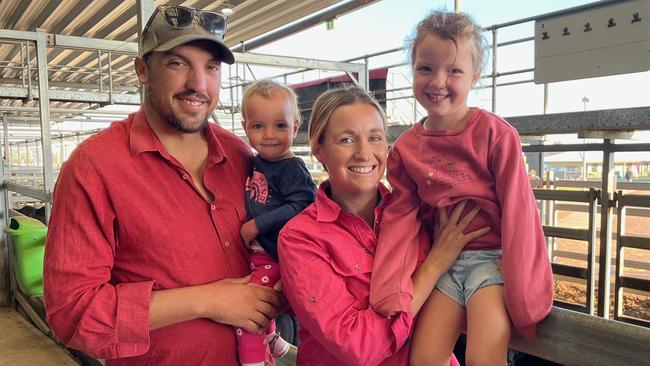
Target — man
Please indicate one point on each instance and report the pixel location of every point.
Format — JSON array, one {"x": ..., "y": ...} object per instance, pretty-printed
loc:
[{"x": 144, "y": 262}]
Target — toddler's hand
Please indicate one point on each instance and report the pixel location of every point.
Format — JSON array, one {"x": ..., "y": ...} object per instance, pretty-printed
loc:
[{"x": 249, "y": 232}]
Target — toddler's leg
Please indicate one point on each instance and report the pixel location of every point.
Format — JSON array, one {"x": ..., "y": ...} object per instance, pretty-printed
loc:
[
  {"x": 488, "y": 327},
  {"x": 267, "y": 273},
  {"x": 436, "y": 329},
  {"x": 278, "y": 345},
  {"x": 253, "y": 349}
]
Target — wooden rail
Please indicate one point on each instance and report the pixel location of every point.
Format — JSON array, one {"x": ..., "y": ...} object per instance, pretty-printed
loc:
[{"x": 573, "y": 338}]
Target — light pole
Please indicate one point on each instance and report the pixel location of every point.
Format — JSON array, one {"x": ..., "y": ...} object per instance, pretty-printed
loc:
[{"x": 585, "y": 100}]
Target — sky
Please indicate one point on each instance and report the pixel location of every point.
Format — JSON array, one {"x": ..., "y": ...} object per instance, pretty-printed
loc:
[{"x": 386, "y": 24}]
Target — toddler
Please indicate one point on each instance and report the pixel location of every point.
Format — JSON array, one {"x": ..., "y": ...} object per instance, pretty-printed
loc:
[{"x": 278, "y": 188}]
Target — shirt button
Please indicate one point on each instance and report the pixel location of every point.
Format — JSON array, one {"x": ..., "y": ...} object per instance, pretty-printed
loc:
[
  {"x": 227, "y": 243},
  {"x": 357, "y": 266},
  {"x": 366, "y": 250},
  {"x": 312, "y": 298},
  {"x": 185, "y": 176},
  {"x": 428, "y": 182},
  {"x": 213, "y": 207}
]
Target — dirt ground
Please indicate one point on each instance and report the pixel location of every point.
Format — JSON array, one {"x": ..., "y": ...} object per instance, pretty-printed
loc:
[
  {"x": 637, "y": 306},
  {"x": 637, "y": 263}
]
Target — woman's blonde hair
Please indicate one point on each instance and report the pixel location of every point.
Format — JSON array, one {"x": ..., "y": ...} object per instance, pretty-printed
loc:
[
  {"x": 328, "y": 102},
  {"x": 268, "y": 88},
  {"x": 451, "y": 26}
]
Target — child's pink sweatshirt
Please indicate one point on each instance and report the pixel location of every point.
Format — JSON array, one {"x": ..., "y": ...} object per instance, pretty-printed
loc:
[{"x": 482, "y": 163}]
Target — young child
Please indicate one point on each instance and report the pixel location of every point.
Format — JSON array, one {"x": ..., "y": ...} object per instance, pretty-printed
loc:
[
  {"x": 459, "y": 153},
  {"x": 278, "y": 188}
]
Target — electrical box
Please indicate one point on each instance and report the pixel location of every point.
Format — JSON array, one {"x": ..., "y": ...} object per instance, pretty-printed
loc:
[{"x": 600, "y": 41}]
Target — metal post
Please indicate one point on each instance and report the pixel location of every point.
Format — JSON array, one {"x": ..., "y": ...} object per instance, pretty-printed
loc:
[
  {"x": 144, "y": 9},
  {"x": 415, "y": 110},
  {"x": 7, "y": 282},
  {"x": 5, "y": 142},
  {"x": 608, "y": 187},
  {"x": 232, "y": 99},
  {"x": 366, "y": 82},
  {"x": 7, "y": 155},
  {"x": 22, "y": 65},
  {"x": 591, "y": 251},
  {"x": 29, "y": 72},
  {"x": 620, "y": 260},
  {"x": 61, "y": 149},
  {"x": 44, "y": 106},
  {"x": 545, "y": 98},
  {"x": 110, "y": 78},
  {"x": 237, "y": 81},
  {"x": 494, "y": 69},
  {"x": 99, "y": 71}
]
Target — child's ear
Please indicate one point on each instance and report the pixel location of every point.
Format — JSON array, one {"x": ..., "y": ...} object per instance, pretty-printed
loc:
[
  {"x": 476, "y": 78},
  {"x": 296, "y": 127}
]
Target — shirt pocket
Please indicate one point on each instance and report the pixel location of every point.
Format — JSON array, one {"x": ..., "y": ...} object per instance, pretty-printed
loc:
[
  {"x": 354, "y": 266},
  {"x": 229, "y": 219}
]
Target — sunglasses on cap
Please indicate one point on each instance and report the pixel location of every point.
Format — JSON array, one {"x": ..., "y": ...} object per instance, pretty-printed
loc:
[{"x": 181, "y": 17}]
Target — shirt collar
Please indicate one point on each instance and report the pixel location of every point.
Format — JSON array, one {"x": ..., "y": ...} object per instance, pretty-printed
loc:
[
  {"x": 328, "y": 211},
  {"x": 143, "y": 139},
  {"x": 141, "y": 136}
]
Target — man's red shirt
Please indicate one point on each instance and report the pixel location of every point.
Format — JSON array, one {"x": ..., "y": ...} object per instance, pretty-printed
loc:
[{"x": 127, "y": 219}]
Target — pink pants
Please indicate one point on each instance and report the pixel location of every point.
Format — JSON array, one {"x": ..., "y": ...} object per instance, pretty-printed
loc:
[{"x": 253, "y": 347}]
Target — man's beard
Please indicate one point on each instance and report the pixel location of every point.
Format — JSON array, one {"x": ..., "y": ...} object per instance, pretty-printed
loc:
[{"x": 171, "y": 118}]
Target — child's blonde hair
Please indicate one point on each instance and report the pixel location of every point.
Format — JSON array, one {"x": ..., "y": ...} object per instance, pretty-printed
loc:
[
  {"x": 451, "y": 26},
  {"x": 268, "y": 88},
  {"x": 328, "y": 102}
]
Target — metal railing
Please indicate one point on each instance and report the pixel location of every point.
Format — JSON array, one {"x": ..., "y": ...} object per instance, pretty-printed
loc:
[{"x": 623, "y": 241}]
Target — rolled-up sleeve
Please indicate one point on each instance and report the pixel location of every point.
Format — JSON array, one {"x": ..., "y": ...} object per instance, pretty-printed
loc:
[
  {"x": 85, "y": 310},
  {"x": 318, "y": 294}
]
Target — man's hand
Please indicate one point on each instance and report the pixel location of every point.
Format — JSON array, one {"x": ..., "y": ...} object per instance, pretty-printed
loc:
[
  {"x": 239, "y": 303},
  {"x": 249, "y": 232}
]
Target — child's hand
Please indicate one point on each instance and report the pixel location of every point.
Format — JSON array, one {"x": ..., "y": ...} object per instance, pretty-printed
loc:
[{"x": 249, "y": 232}]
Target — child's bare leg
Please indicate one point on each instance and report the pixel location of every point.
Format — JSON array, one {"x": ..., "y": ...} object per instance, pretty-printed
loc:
[
  {"x": 488, "y": 328},
  {"x": 436, "y": 330}
]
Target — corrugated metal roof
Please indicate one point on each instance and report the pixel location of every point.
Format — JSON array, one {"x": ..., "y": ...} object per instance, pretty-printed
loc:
[{"x": 117, "y": 20}]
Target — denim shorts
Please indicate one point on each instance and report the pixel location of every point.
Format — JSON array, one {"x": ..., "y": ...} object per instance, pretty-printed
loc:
[{"x": 474, "y": 269}]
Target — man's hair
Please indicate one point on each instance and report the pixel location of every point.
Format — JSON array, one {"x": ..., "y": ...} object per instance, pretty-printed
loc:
[{"x": 268, "y": 89}]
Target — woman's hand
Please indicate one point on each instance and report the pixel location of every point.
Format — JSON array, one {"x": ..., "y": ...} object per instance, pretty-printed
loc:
[{"x": 449, "y": 239}]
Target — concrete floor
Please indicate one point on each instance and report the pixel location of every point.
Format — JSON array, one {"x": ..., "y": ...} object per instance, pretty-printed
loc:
[{"x": 21, "y": 344}]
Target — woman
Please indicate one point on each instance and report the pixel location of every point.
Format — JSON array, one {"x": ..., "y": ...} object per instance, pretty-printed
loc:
[{"x": 326, "y": 252}]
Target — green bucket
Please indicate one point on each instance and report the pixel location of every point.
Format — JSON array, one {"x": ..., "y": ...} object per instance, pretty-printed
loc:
[{"x": 27, "y": 238}]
